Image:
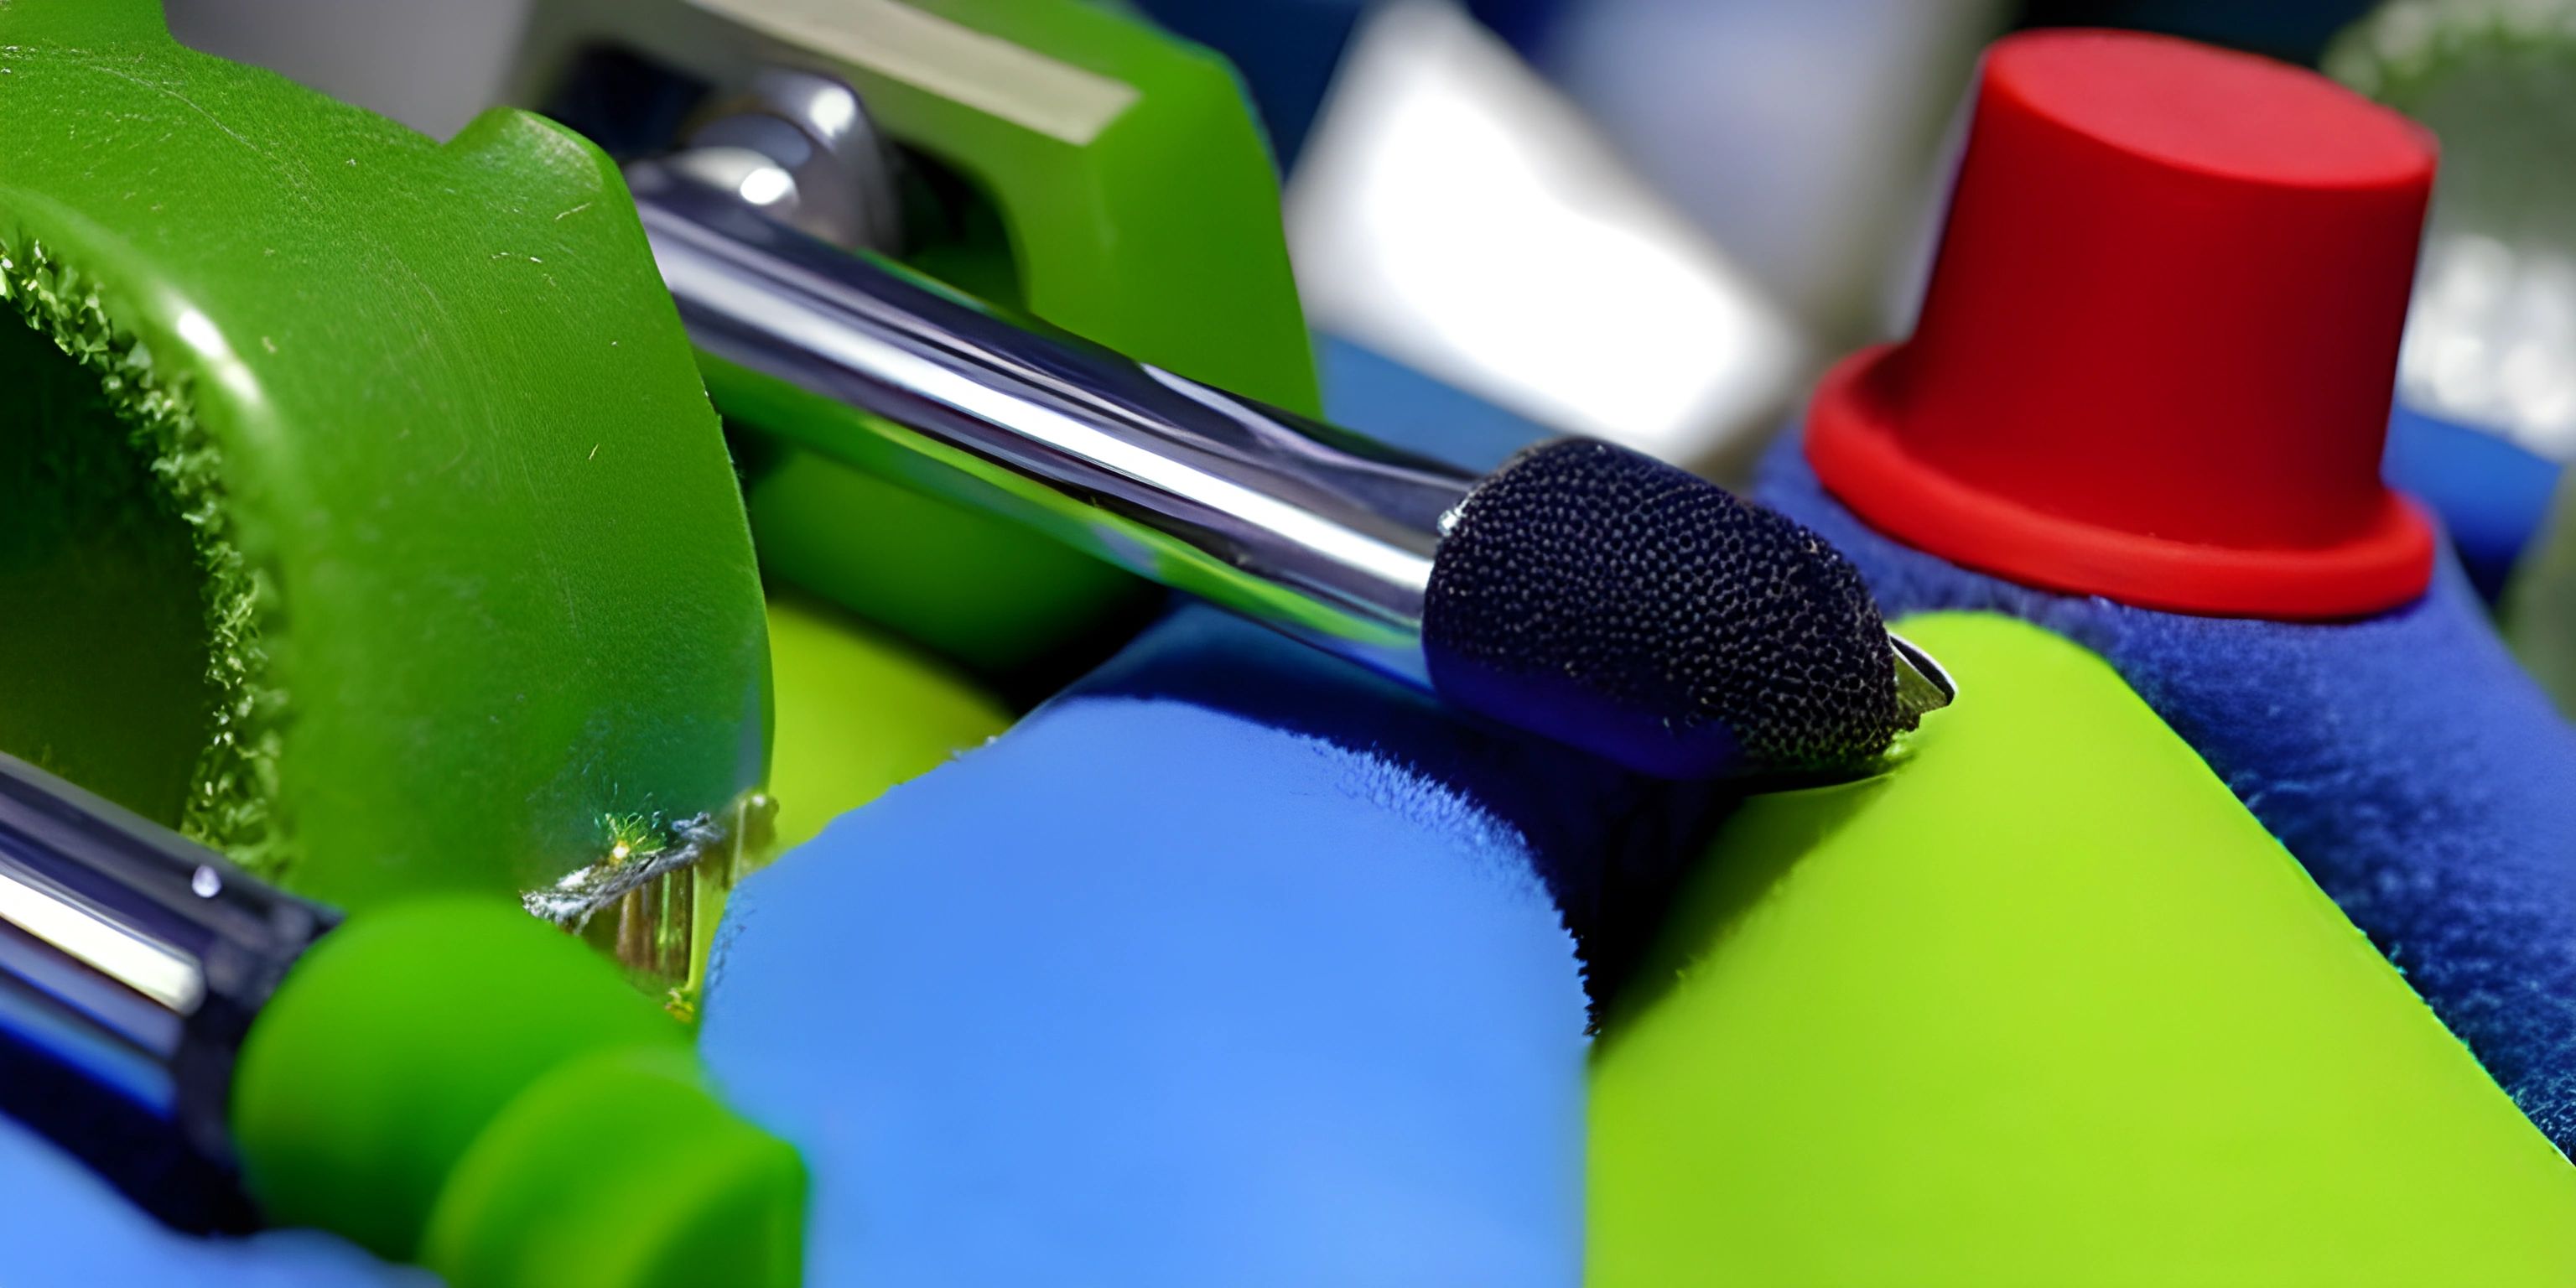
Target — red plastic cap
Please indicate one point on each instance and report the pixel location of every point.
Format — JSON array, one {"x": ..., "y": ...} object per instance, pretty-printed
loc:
[{"x": 2155, "y": 360}]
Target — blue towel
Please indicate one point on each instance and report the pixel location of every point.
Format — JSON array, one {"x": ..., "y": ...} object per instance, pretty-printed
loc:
[
  {"x": 1396, "y": 403},
  {"x": 2406, "y": 760},
  {"x": 1149, "y": 993},
  {"x": 60, "y": 1224}
]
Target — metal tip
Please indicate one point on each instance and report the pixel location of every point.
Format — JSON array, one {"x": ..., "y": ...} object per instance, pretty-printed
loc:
[{"x": 1921, "y": 684}]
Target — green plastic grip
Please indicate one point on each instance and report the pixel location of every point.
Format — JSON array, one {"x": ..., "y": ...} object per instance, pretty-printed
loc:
[
  {"x": 857, "y": 714},
  {"x": 451, "y": 1082},
  {"x": 468, "y": 572},
  {"x": 619, "y": 1170}
]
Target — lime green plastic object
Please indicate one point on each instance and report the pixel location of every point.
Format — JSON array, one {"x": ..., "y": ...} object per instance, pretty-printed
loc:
[
  {"x": 1102, "y": 175},
  {"x": 620, "y": 1170},
  {"x": 452, "y": 1082},
  {"x": 364, "y": 515},
  {"x": 857, "y": 714},
  {"x": 2043, "y": 1006}
]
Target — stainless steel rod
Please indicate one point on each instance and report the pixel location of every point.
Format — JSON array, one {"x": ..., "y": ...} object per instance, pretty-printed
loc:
[
  {"x": 131, "y": 964},
  {"x": 1316, "y": 531}
]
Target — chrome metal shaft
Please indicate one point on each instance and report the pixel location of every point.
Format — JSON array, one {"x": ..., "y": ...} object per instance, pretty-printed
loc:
[
  {"x": 1318, "y": 532},
  {"x": 131, "y": 964}
]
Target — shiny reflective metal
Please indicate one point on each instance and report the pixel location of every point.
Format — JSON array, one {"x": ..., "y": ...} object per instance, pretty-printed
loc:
[
  {"x": 814, "y": 130},
  {"x": 1316, "y": 531},
  {"x": 1313, "y": 530},
  {"x": 131, "y": 958},
  {"x": 1922, "y": 685}
]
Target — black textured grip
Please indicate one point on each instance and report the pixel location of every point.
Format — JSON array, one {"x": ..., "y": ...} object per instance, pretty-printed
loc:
[{"x": 1632, "y": 609}]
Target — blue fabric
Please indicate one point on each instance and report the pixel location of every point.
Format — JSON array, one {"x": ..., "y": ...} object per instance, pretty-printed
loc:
[
  {"x": 1525, "y": 24},
  {"x": 2406, "y": 760},
  {"x": 1397, "y": 404},
  {"x": 2492, "y": 495},
  {"x": 1285, "y": 50},
  {"x": 61, "y": 1224},
  {"x": 1147, "y": 993}
]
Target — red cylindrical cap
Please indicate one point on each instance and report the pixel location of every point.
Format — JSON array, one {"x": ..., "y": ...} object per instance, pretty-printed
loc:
[{"x": 2156, "y": 356}]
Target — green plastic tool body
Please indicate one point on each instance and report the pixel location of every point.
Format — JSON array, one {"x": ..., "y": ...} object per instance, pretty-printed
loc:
[
  {"x": 454, "y": 1083},
  {"x": 2044, "y": 1005},
  {"x": 474, "y": 571},
  {"x": 1114, "y": 184}
]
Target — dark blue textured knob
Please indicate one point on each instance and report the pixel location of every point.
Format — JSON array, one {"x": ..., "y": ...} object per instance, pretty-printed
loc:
[{"x": 1641, "y": 613}]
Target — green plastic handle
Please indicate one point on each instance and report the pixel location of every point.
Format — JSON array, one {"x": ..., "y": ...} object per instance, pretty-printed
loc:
[
  {"x": 452, "y": 1082},
  {"x": 396, "y": 477}
]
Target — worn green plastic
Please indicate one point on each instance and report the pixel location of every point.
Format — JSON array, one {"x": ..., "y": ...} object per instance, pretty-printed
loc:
[
  {"x": 2043, "y": 1006},
  {"x": 1106, "y": 178},
  {"x": 470, "y": 571},
  {"x": 452, "y": 1082}
]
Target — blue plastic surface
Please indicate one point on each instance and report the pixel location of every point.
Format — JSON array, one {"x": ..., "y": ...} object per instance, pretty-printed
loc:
[
  {"x": 2491, "y": 495},
  {"x": 61, "y": 1225},
  {"x": 2421, "y": 777},
  {"x": 1397, "y": 404},
  {"x": 1145, "y": 993}
]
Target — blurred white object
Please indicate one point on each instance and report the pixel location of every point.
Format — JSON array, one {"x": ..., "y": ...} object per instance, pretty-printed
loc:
[
  {"x": 1452, "y": 211},
  {"x": 2491, "y": 340},
  {"x": 1801, "y": 134},
  {"x": 430, "y": 64}
]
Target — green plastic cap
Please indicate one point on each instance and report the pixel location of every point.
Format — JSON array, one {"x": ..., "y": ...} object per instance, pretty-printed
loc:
[
  {"x": 621, "y": 1170},
  {"x": 397, "y": 1041}
]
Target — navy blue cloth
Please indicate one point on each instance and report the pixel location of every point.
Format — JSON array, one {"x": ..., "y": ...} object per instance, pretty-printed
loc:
[
  {"x": 2421, "y": 777},
  {"x": 1395, "y": 403}
]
